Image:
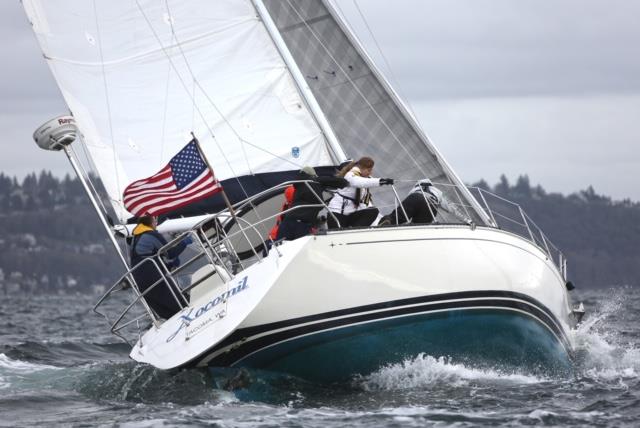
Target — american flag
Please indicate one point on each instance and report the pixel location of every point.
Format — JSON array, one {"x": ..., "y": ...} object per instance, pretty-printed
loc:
[{"x": 186, "y": 179}]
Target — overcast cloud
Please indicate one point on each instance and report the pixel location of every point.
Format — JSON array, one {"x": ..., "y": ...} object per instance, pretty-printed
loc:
[{"x": 545, "y": 87}]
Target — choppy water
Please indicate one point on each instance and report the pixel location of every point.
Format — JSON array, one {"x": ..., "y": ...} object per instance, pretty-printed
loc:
[{"x": 59, "y": 366}]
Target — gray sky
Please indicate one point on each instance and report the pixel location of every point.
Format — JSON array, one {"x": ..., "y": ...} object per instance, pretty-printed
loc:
[{"x": 550, "y": 88}]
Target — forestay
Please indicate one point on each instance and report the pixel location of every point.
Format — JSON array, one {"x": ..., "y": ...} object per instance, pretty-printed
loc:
[
  {"x": 364, "y": 112},
  {"x": 139, "y": 75}
]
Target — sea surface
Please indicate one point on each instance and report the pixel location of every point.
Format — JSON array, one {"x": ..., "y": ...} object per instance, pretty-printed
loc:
[{"x": 60, "y": 366}]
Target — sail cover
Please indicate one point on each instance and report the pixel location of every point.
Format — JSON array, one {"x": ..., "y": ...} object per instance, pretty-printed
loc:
[
  {"x": 364, "y": 112},
  {"x": 140, "y": 75}
]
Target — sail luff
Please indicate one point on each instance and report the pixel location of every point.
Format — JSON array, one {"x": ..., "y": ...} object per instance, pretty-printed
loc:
[
  {"x": 408, "y": 115},
  {"x": 303, "y": 87}
]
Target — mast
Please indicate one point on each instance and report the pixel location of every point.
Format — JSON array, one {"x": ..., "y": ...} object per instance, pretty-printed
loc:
[{"x": 301, "y": 83}]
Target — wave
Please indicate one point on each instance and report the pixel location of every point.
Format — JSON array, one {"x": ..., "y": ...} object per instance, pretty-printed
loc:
[
  {"x": 603, "y": 348},
  {"x": 18, "y": 373},
  {"x": 426, "y": 371},
  {"x": 65, "y": 354},
  {"x": 112, "y": 381},
  {"x": 8, "y": 364}
]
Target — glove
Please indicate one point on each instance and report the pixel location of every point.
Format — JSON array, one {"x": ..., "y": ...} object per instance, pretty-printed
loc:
[
  {"x": 386, "y": 181},
  {"x": 188, "y": 240}
]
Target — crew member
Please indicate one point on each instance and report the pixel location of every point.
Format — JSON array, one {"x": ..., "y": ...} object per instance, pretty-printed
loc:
[
  {"x": 421, "y": 205},
  {"x": 145, "y": 244},
  {"x": 352, "y": 206},
  {"x": 288, "y": 200},
  {"x": 307, "y": 203}
]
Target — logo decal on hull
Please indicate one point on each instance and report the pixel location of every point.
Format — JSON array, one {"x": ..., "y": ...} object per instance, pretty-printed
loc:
[{"x": 188, "y": 318}]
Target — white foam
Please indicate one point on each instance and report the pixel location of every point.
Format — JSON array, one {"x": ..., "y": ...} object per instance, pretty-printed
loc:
[
  {"x": 540, "y": 414},
  {"x": 604, "y": 355},
  {"x": 21, "y": 366},
  {"x": 427, "y": 371},
  {"x": 13, "y": 372}
]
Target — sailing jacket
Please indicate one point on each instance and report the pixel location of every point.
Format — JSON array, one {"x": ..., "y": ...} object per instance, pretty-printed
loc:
[
  {"x": 146, "y": 243},
  {"x": 288, "y": 200},
  {"x": 308, "y": 194},
  {"x": 344, "y": 201}
]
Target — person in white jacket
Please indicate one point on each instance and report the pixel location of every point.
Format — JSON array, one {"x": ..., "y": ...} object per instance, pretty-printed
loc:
[{"x": 352, "y": 205}]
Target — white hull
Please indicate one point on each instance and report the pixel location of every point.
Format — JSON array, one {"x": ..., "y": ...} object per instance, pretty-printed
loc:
[{"x": 325, "y": 282}]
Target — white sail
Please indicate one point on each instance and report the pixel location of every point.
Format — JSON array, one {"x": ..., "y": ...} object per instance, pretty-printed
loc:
[{"x": 140, "y": 75}]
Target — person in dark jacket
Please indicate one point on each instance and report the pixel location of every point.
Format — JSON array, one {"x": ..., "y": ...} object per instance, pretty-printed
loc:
[
  {"x": 421, "y": 205},
  {"x": 145, "y": 244},
  {"x": 299, "y": 222},
  {"x": 288, "y": 200}
]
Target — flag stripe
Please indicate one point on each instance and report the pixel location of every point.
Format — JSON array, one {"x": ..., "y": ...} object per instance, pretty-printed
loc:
[
  {"x": 165, "y": 206},
  {"x": 167, "y": 187},
  {"x": 206, "y": 180},
  {"x": 185, "y": 179},
  {"x": 161, "y": 209},
  {"x": 167, "y": 190},
  {"x": 155, "y": 185},
  {"x": 163, "y": 174}
]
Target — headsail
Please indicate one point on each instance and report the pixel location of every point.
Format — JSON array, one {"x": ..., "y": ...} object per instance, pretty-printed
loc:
[
  {"x": 140, "y": 75},
  {"x": 364, "y": 112}
]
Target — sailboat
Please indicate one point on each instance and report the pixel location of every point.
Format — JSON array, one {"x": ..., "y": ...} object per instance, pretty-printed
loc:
[{"x": 270, "y": 86}]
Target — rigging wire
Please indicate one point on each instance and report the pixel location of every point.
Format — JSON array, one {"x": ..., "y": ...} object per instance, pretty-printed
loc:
[
  {"x": 373, "y": 37},
  {"x": 193, "y": 109},
  {"x": 193, "y": 101},
  {"x": 194, "y": 105},
  {"x": 382, "y": 121},
  {"x": 164, "y": 114},
  {"x": 200, "y": 113},
  {"x": 384, "y": 58},
  {"x": 106, "y": 94},
  {"x": 197, "y": 83}
]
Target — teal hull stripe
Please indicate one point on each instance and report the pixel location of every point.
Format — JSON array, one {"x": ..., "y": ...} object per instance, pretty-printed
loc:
[
  {"x": 243, "y": 347},
  {"x": 481, "y": 336}
]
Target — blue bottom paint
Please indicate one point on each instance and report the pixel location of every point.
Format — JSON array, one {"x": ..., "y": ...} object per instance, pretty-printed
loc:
[{"x": 481, "y": 338}]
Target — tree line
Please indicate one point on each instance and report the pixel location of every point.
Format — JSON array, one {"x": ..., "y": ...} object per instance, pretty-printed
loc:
[
  {"x": 48, "y": 228},
  {"x": 598, "y": 235}
]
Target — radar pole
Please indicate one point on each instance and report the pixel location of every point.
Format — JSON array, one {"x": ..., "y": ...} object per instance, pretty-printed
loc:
[{"x": 58, "y": 134}]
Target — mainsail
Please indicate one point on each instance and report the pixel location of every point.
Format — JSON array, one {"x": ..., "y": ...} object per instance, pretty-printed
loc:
[
  {"x": 266, "y": 85},
  {"x": 366, "y": 115}
]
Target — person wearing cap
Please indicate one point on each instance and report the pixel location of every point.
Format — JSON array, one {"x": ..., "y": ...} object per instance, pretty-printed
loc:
[
  {"x": 352, "y": 206},
  {"x": 307, "y": 203},
  {"x": 146, "y": 243},
  {"x": 421, "y": 205}
]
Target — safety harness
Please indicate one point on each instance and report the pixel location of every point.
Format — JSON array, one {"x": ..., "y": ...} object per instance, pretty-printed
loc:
[{"x": 358, "y": 197}]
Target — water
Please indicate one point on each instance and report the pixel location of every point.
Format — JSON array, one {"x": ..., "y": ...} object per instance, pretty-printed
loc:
[{"x": 60, "y": 366}]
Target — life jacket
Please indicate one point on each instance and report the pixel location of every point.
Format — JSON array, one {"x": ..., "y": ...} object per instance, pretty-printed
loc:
[
  {"x": 359, "y": 198},
  {"x": 138, "y": 231},
  {"x": 137, "y": 257},
  {"x": 289, "y": 193}
]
